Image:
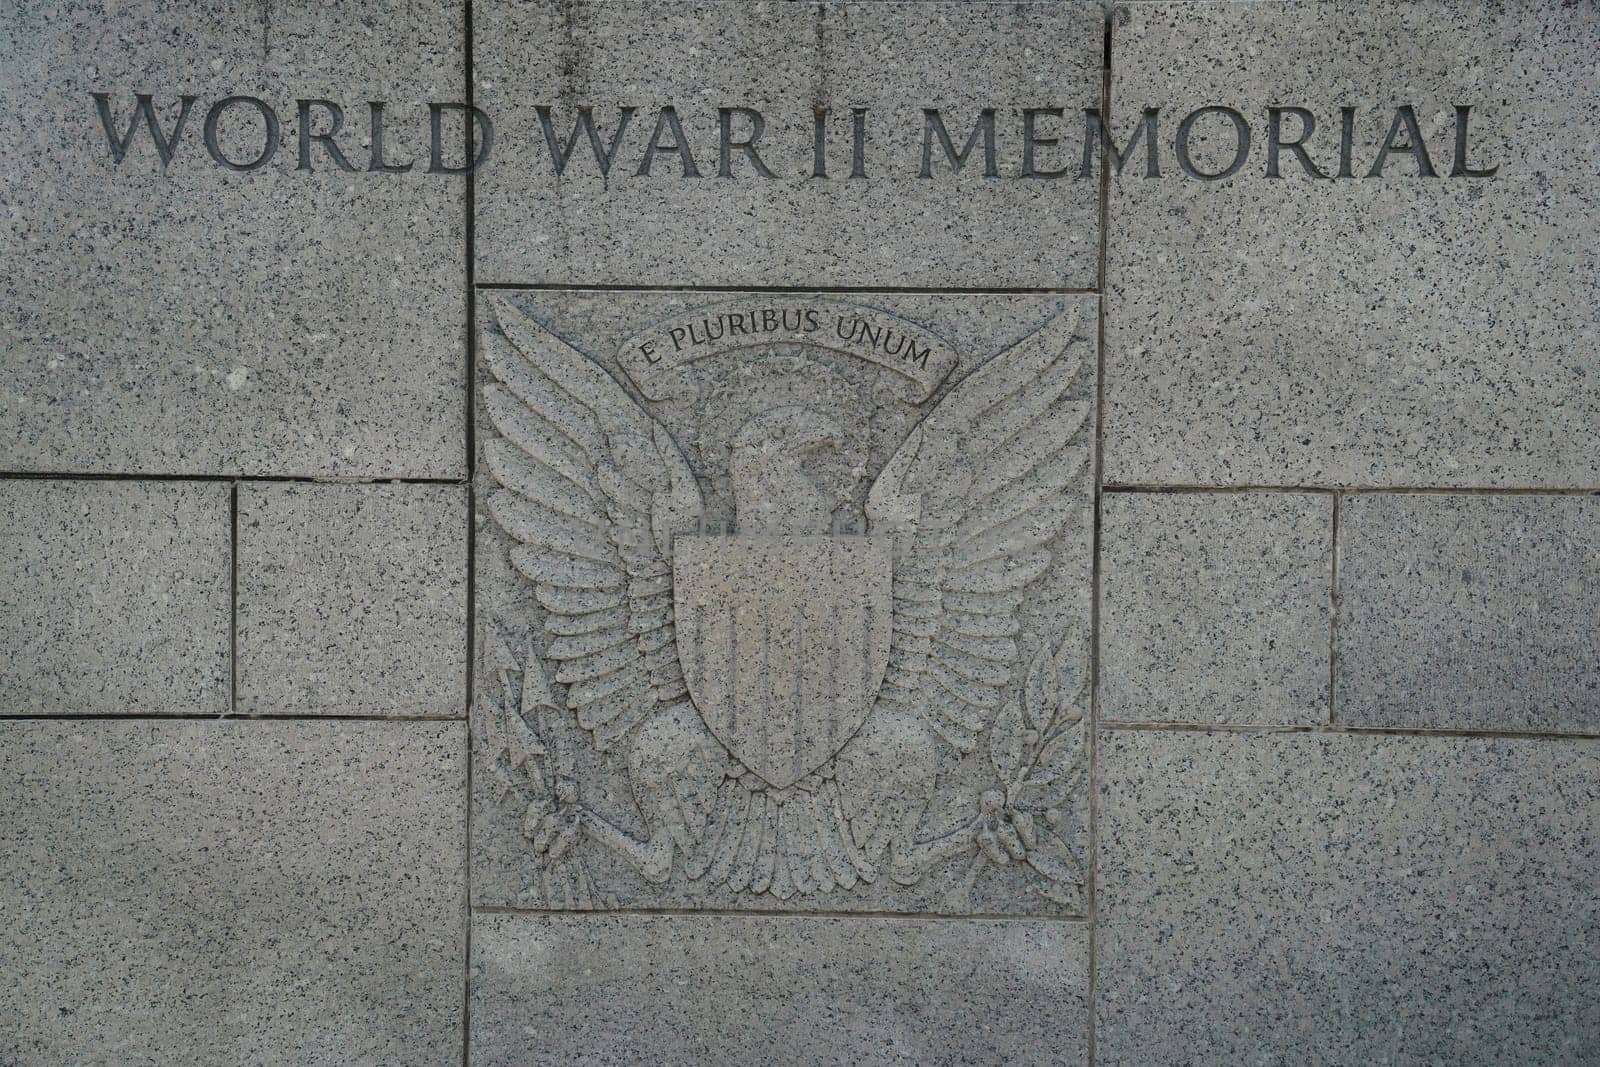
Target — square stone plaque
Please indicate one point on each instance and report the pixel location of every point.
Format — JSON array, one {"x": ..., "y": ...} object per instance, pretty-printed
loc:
[
  {"x": 1507, "y": 590},
  {"x": 622, "y": 130},
  {"x": 1215, "y": 607},
  {"x": 114, "y": 597},
  {"x": 782, "y": 601},
  {"x": 352, "y": 599}
]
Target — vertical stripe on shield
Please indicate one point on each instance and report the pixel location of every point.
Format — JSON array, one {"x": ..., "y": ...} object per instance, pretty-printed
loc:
[
  {"x": 843, "y": 686},
  {"x": 783, "y": 663},
  {"x": 817, "y": 667}
]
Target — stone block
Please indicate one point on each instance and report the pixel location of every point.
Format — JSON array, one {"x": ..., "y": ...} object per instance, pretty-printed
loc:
[
  {"x": 871, "y": 68},
  {"x": 783, "y": 601},
  {"x": 1393, "y": 330},
  {"x": 183, "y": 317},
  {"x": 208, "y": 892},
  {"x": 1346, "y": 898},
  {"x": 692, "y": 989},
  {"x": 1469, "y": 612},
  {"x": 1215, "y": 607},
  {"x": 352, "y": 599},
  {"x": 114, "y": 597}
]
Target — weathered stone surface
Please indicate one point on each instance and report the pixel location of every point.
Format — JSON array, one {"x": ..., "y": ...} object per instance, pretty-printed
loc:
[
  {"x": 809, "y": 741},
  {"x": 890, "y": 227},
  {"x": 758, "y": 655},
  {"x": 1343, "y": 898},
  {"x": 1364, "y": 331},
  {"x": 189, "y": 319},
  {"x": 1215, "y": 607},
  {"x": 683, "y": 989},
  {"x": 113, "y": 597},
  {"x": 352, "y": 599},
  {"x": 1469, "y": 612},
  {"x": 262, "y": 892}
]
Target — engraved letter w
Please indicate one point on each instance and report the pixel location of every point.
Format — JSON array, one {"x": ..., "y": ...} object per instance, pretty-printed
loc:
[
  {"x": 164, "y": 145},
  {"x": 585, "y": 123}
]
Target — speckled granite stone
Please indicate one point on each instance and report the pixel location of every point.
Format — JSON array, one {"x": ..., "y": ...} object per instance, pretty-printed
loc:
[
  {"x": 114, "y": 597},
  {"x": 685, "y": 989},
  {"x": 1215, "y": 607},
  {"x": 1346, "y": 899},
  {"x": 189, "y": 319},
  {"x": 1469, "y": 612},
  {"x": 798, "y": 779},
  {"x": 1360, "y": 331},
  {"x": 890, "y": 227},
  {"x": 352, "y": 599},
  {"x": 263, "y": 892}
]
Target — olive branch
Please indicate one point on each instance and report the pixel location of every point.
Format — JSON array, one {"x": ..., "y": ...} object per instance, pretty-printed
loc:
[{"x": 1037, "y": 751}]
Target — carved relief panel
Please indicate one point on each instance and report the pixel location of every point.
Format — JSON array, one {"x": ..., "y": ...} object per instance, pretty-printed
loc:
[{"x": 783, "y": 601}]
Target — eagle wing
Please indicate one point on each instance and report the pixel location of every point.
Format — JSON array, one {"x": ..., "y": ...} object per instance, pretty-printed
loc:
[
  {"x": 593, "y": 490},
  {"x": 974, "y": 497}
]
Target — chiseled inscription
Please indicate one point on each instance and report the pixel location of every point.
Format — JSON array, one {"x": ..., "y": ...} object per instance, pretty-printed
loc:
[
  {"x": 1030, "y": 143},
  {"x": 652, "y": 359}
]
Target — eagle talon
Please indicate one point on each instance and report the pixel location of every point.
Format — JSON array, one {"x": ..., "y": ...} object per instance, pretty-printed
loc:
[
  {"x": 1001, "y": 832},
  {"x": 553, "y": 832}
]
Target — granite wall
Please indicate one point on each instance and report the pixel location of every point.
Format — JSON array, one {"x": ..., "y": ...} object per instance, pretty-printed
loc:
[{"x": 1174, "y": 586}]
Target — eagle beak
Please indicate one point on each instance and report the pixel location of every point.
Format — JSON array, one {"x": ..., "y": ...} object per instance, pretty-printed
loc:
[{"x": 824, "y": 440}]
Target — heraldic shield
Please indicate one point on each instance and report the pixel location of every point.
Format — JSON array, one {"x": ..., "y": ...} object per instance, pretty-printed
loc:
[{"x": 784, "y": 642}]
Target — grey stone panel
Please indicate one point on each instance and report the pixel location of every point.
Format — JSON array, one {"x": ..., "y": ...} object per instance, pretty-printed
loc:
[
  {"x": 263, "y": 892},
  {"x": 114, "y": 597},
  {"x": 1216, "y": 607},
  {"x": 1387, "y": 331},
  {"x": 1474, "y": 612},
  {"x": 1346, "y": 899},
  {"x": 888, "y": 228},
  {"x": 694, "y": 989},
  {"x": 620, "y": 763},
  {"x": 191, "y": 319},
  {"x": 352, "y": 599}
]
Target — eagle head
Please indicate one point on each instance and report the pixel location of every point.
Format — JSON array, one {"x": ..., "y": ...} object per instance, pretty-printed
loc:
[{"x": 772, "y": 493}]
